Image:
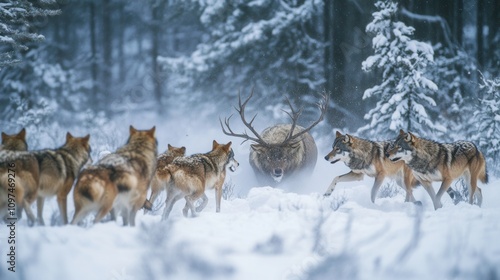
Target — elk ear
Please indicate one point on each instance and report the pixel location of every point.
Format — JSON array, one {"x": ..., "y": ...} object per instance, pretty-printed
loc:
[
  {"x": 215, "y": 145},
  {"x": 338, "y": 134},
  {"x": 22, "y": 134},
  {"x": 257, "y": 148}
]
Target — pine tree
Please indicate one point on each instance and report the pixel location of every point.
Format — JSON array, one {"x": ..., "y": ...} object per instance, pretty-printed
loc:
[
  {"x": 16, "y": 26},
  {"x": 405, "y": 92},
  {"x": 486, "y": 123},
  {"x": 267, "y": 44}
]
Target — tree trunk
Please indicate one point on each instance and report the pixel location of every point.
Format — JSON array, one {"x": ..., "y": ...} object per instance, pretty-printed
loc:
[{"x": 93, "y": 53}]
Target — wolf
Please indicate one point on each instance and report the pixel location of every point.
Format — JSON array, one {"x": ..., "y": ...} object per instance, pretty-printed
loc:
[
  {"x": 188, "y": 177},
  {"x": 58, "y": 170},
  {"x": 157, "y": 185},
  {"x": 366, "y": 157},
  {"x": 432, "y": 161},
  {"x": 119, "y": 181},
  {"x": 23, "y": 175},
  {"x": 14, "y": 142}
]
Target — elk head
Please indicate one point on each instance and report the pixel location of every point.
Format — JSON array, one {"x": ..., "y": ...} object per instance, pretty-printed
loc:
[{"x": 278, "y": 150}]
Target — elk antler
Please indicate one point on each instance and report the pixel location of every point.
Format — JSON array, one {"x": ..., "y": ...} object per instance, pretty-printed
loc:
[
  {"x": 294, "y": 115},
  {"x": 241, "y": 110}
]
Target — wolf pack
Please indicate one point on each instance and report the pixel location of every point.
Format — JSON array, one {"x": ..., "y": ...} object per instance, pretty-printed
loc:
[{"x": 119, "y": 183}]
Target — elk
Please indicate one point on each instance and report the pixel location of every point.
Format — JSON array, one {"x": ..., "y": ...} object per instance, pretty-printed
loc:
[{"x": 282, "y": 152}]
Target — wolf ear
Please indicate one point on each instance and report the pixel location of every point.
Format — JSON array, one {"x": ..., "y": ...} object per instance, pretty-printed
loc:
[
  {"x": 22, "y": 133},
  {"x": 152, "y": 131},
  {"x": 401, "y": 132},
  {"x": 338, "y": 134},
  {"x": 132, "y": 130},
  {"x": 4, "y": 136},
  {"x": 183, "y": 150},
  {"x": 347, "y": 139},
  {"x": 410, "y": 137},
  {"x": 69, "y": 136},
  {"x": 227, "y": 147},
  {"x": 86, "y": 138},
  {"x": 215, "y": 145},
  {"x": 169, "y": 147}
]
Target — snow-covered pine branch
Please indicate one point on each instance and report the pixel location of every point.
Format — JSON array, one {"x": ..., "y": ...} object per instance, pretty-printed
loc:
[{"x": 404, "y": 93}]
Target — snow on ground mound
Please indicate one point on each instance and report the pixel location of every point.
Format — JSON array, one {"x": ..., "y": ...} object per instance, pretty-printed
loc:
[{"x": 274, "y": 234}]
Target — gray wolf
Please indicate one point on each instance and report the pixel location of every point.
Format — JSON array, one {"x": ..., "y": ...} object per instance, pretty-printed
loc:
[
  {"x": 281, "y": 151},
  {"x": 14, "y": 142},
  {"x": 19, "y": 177},
  {"x": 366, "y": 157},
  {"x": 119, "y": 180},
  {"x": 58, "y": 171},
  {"x": 164, "y": 159},
  {"x": 188, "y": 177},
  {"x": 431, "y": 161}
]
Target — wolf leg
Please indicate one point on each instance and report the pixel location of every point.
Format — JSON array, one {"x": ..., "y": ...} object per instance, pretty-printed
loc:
[
  {"x": 204, "y": 202},
  {"x": 348, "y": 177},
  {"x": 444, "y": 187},
  {"x": 63, "y": 204},
  {"x": 475, "y": 190},
  {"x": 190, "y": 200},
  {"x": 102, "y": 212},
  {"x": 29, "y": 213},
  {"x": 376, "y": 186},
  {"x": 39, "y": 207},
  {"x": 430, "y": 190},
  {"x": 169, "y": 203}
]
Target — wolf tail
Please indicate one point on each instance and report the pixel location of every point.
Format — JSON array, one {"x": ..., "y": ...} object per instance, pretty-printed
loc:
[{"x": 483, "y": 170}]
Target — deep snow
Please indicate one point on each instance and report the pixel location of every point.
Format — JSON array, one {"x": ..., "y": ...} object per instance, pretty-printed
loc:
[{"x": 265, "y": 233}]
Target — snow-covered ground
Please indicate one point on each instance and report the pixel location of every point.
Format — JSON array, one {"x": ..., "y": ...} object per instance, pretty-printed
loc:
[
  {"x": 265, "y": 233},
  {"x": 276, "y": 234}
]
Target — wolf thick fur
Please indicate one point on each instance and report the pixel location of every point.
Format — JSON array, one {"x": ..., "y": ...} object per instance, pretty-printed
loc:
[
  {"x": 431, "y": 161},
  {"x": 58, "y": 171},
  {"x": 24, "y": 175},
  {"x": 14, "y": 142},
  {"x": 119, "y": 180},
  {"x": 366, "y": 157},
  {"x": 157, "y": 185},
  {"x": 188, "y": 177},
  {"x": 273, "y": 162}
]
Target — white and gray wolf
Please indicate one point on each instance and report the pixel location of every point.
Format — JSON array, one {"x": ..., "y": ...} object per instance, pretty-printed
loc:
[
  {"x": 365, "y": 157},
  {"x": 188, "y": 177},
  {"x": 119, "y": 181},
  {"x": 283, "y": 152},
  {"x": 431, "y": 161}
]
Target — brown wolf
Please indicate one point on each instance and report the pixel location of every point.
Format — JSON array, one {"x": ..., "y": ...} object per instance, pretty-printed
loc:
[
  {"x": 58, "y": 171},
  {"x": 366, "y": 157},
  {"x": 157, "y": 185},
  {"x": 119, "y": 180},
  {"x": 19, "y": 177},
  {"x": 14, "y": 142},
  {"x": 431, "y": 161},
  {"x": 188, "y": 177}
]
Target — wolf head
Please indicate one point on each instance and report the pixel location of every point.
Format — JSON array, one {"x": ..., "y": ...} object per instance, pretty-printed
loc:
[
  {"x": 226, "y": 155},
  {"x": 14, "y": 142},
  {"x": 79, "y": 146},
  {"x": 403, "y": 147},
  {"x": 341, "y": 149},
  {"x": 143, "y": 137},
  {"x": 176, "y": 152}
]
